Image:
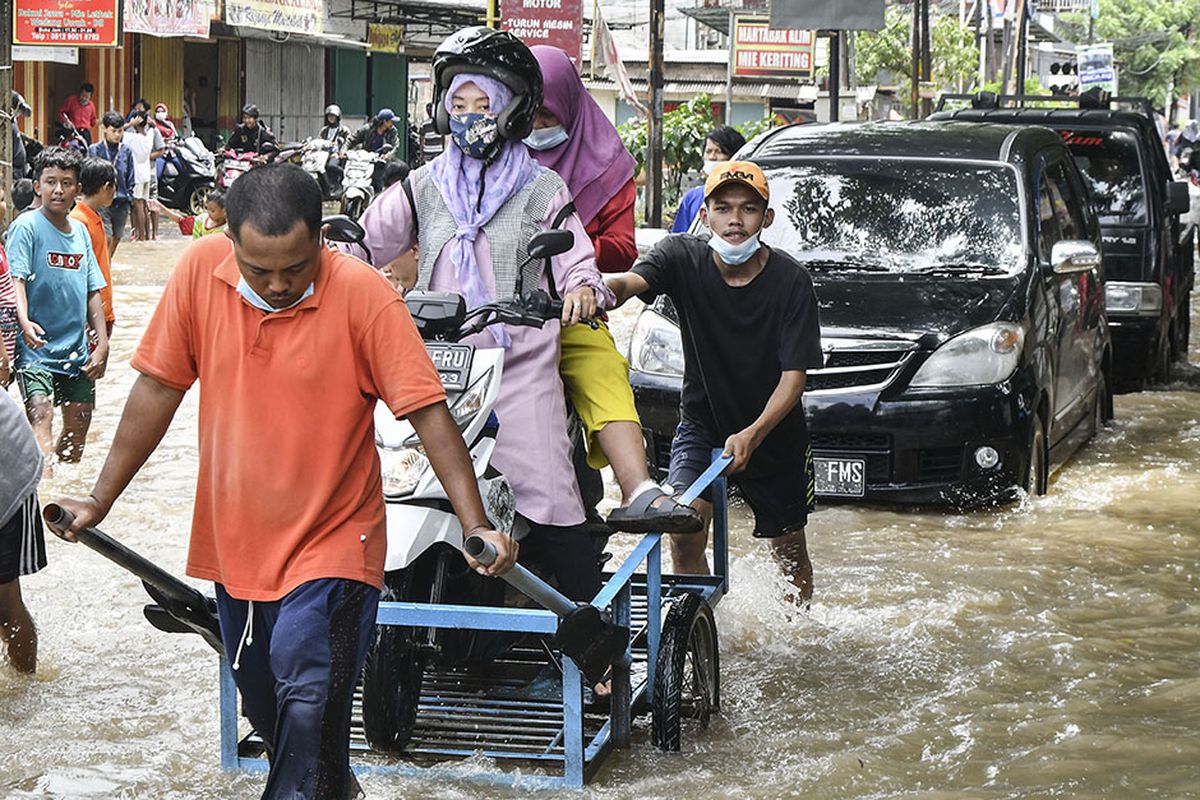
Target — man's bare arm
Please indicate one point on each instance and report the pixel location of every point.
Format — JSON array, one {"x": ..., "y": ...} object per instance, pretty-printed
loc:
[
  {"x": 787, "y": 393},
  {"x": 626, "y": 285},
  {"x": 148, "y": 413}
]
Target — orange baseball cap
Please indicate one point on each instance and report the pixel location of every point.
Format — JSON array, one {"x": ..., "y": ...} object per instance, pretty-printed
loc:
[{"x": 738, "y": 172}]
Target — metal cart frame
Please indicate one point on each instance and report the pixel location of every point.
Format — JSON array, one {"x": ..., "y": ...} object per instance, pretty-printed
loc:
[{"x": 567, "y": 736}]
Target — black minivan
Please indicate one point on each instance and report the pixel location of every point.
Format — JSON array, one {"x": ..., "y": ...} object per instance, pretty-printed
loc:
[{"x": 961, "y": 293}]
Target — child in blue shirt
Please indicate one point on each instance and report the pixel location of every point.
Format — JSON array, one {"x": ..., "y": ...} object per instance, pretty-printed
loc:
[{"x": 58, "y": 286}]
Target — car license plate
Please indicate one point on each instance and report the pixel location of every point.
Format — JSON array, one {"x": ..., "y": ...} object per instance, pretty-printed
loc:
[
  {"x": 843, "y": 477},
  {"x": 453, "y": 362}
]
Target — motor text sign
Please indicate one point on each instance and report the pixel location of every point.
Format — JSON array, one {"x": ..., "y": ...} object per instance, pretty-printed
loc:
[{"x": 558, "y": 23}]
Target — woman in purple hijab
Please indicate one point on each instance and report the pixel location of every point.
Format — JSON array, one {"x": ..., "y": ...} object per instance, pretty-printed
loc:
[{"x": 572, "y": 136}]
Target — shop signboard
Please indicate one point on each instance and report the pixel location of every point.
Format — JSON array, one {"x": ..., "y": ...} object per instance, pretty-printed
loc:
[
  {"x": 1096, "y": 68},
  {"x": 558, "y": 23},
  {"x": 385, "y": 38},
  {"x": 57, "y": 55},
  {"x": 760, "y": 50},
  {"x": 168, "y": 17},
  {"x": 79, "y": 23},
  {"x": 286, "y": 16}
]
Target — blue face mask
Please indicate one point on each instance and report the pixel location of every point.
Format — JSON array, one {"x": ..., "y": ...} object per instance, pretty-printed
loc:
[
  {"x": 734, "y": 254},
  {"x": 475, "y": 134},
  {"x": 546, "y": 138},
  {"x": 253, "y": 299}
]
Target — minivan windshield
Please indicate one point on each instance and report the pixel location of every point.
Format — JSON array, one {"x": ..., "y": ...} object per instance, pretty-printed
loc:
[
  {"x": 902, "y": 216},
  {"x": 1111, "y": 167}
]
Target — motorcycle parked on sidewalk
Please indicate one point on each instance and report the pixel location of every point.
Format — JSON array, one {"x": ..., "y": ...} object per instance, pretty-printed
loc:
[
  {"x": 187, "y": 176},
  {"x": 358, "y": 189}
]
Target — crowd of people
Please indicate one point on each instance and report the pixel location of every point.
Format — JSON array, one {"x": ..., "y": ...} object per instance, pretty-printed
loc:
[{"x": 524, "y": 148}]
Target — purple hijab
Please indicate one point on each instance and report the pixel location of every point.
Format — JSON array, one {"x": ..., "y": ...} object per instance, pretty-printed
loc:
[
  {"x": 458, "y": 178},
  {"x": 593, "y": 162}
]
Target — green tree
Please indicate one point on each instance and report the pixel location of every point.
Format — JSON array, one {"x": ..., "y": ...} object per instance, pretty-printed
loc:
[
  {"x": 955, "y": 57},
  {"x": 1155, "y": 44}
]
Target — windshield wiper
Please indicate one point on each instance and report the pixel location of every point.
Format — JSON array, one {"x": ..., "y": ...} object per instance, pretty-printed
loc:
[
  {"x": 844, "y": 265},
  {"x": 959, "y": 269}
]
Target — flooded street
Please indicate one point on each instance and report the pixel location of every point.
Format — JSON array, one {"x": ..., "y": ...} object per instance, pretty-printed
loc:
[{"x": 1048, "y": 649}]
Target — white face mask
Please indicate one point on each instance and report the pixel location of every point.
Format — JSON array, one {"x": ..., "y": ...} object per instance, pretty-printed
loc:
[
  {"x": 161, "y": 116},
  {"x": 709, "y": 166},
  {"x": 253, "y": 298},
  {"x": 546, "y": 138},
  {"x": 734, "y": 254}
]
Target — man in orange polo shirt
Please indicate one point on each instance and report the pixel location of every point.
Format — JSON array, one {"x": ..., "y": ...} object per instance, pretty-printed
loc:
[
  {"x": 97, "y": 188},
  {"x": 293, "y": 346}
]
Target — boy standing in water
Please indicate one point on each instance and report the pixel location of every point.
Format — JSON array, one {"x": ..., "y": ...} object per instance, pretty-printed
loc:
[
  {"x": 58, "y": 286},
  {"x": 748, "y": 315},
  {"x": 97, "y": 188}
]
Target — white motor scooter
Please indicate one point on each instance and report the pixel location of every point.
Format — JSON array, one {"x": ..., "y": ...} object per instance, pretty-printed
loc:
[{"x": 357, "y": 189}]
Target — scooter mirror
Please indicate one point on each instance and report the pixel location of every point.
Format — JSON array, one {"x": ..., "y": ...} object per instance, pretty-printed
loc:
[
  {"x": 340, "y": 228},
  {"x": 550, "y": 243}
]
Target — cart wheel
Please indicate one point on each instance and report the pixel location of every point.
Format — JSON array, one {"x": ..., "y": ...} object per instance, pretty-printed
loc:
[
  {"x": 687, "y": 682},
  {"x": 392, "y": 674}
]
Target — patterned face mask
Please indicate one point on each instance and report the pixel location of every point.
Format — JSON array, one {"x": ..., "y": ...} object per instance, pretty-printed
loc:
[{"x": 474, "y": 133}]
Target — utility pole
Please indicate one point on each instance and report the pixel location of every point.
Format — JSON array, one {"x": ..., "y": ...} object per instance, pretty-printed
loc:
[
  {"x": 493, "y": 13},
  {"x": 835, "y": 76},
  {"x": 917, "y": 38},
  {"x": 7, "y": 117},
  {"x": 654, "y": 143},
  {"x": 729, "y": 70}
]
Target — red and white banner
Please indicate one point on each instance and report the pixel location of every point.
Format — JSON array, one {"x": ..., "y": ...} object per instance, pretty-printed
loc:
[
  {"x": 558, "y": 23},
  {"x": 79, "y": 23},
  {"x": 168, "y": 17},
  {"x": 607, "y": 55}
]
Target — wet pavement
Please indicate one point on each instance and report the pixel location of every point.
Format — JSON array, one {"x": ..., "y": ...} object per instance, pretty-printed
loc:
[{"x": 1047, "y": 649}]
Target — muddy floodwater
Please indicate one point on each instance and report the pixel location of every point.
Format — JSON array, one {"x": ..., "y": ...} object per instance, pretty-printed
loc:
[{"x": 1048, "y": 649}]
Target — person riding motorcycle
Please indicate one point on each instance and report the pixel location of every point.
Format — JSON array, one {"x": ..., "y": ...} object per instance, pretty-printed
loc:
[
  {"x": 251, "y": 136},
  {"x": 378, "y": 136},
  {"x": 472, "y": 208},
  {"x": 334, "y": 131}
]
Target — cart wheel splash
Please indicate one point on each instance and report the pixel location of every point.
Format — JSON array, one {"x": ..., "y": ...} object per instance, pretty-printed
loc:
[{"x": 687, "y": 683}]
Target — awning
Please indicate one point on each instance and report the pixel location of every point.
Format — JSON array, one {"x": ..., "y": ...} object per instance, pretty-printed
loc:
[{"x": 449, "y": 15}]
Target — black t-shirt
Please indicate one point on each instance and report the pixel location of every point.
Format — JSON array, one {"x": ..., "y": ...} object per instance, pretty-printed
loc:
[{"x": 738, "y": 340}]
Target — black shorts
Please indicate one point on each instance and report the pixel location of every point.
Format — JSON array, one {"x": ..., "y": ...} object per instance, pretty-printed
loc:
[
  {"x": 781, "y": 500},
  {"x": 22, "y": 542}
]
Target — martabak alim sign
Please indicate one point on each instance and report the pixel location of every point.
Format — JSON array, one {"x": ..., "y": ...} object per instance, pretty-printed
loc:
[
  {"x": 554, "y": 22},
  {"x": 79, "y": 23}
]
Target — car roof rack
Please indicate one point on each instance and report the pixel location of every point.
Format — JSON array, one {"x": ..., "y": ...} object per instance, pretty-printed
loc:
[{"x": 989, "y": 100}]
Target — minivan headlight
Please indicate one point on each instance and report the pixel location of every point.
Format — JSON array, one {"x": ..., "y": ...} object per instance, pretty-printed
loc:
[
  {"x": 656, "y": 346},
  {"x": 984, "y": 355}
]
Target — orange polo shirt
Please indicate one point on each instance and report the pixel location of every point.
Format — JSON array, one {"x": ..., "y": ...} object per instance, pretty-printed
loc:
[
  {"x": 289, "y": 486},
  {"x": 95, "y": 227}
]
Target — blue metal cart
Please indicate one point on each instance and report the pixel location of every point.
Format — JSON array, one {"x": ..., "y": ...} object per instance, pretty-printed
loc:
[{"x": 670, "y": 669}]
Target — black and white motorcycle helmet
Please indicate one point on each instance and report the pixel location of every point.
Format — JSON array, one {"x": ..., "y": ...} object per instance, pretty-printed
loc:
[
  {"x": 333, "y": 109},
  {"x": 496, "y": 54}
]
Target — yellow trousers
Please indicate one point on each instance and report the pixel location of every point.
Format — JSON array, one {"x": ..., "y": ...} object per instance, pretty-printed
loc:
[{"x": 596, "y": 377}]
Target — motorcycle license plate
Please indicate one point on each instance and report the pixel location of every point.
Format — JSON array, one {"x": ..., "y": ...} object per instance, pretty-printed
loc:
[
  {"x": 453, "y": 362},
  {"x": 841, "y": 477}
]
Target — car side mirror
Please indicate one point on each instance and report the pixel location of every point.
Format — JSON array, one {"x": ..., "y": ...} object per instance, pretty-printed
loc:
[
  {"x": 1178, "y": 199},
  {"x": 1073, "y": 255},
  {"x": 550, "y": 243},
  {"x": 340, "y": 228}
]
